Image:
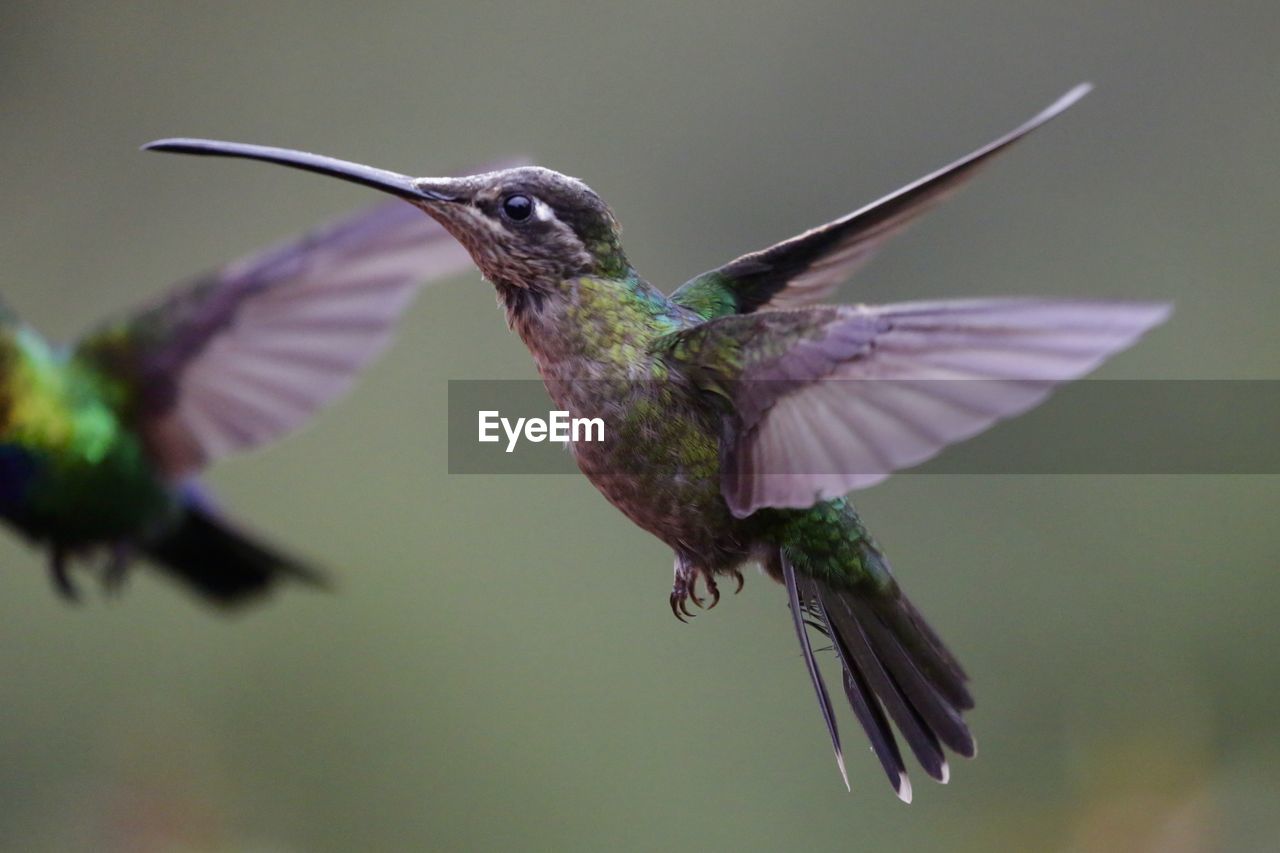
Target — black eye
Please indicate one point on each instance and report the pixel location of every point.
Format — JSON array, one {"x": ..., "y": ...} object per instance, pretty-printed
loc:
[{"x": 517, "y": 207}]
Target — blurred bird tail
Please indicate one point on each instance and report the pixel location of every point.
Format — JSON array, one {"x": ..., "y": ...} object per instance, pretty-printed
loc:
[{"x": 223, "y": 565}]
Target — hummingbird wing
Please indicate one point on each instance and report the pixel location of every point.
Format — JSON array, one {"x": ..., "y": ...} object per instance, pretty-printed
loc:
[
  {"x": 248, "y": 353},
  {"x": 834, "y": 398},
  {"x": 807, "y": 268}
]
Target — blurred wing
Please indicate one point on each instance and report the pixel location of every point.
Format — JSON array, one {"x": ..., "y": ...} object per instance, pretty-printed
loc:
[
  {"x": 807, "y": 268},
  {"x": 831, "y": 399},
  {"x": 248, "y": 353}
]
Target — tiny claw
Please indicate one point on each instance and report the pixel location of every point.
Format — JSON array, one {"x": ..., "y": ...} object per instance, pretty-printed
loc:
[
  {"x": 58, "y": 570},
  {"x": 116, "y": 569},
  {"x": 675, "y": 608},
  {"x": 693, "y": 591},
  {"x": 713, "y": 589},
  {"x": 684, "y": 608},
  {"x": 737, "y": 575}
]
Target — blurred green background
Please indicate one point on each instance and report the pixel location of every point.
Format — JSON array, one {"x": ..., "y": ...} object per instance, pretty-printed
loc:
[{"x": 499, "y": 669}]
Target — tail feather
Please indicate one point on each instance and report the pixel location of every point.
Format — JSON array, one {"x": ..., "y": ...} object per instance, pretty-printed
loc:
[
  {"x": 895, "y": 668},
  {"x": 870, "y": 715},
  {"x": 942, "y": 716},
  {"x": 221, "y": 564},
  {"x": 902, "y": 619},
  {"x": 824, "y": 699},
  {"x": 851, "y": 637}
]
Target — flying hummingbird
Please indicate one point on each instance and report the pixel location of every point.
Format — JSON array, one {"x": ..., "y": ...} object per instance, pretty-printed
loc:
[
  {"x": 101, "y": 442},
  {"x": 729, "y": 435}
]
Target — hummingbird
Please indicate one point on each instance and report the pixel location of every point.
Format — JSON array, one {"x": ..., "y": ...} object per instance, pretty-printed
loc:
[
  {"x": 102, "y": 441},
  {"x": 741, "y": 410}
]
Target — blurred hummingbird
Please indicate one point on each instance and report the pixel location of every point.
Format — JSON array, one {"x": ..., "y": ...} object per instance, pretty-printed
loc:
[
  {"x": 730, "y": 435},
  {"x": 101, "y": 442}
]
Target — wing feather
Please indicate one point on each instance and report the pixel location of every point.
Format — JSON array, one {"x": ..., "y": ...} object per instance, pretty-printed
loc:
[
  {"x": 249, "y": 353},
  {"x": 830, "y": 399},
  {"x": 805, "y": 269}
]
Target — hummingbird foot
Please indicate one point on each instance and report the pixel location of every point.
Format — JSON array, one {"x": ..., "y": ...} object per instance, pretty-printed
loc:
[
  {"x": 59, "y": 571},
  {"x": 116, "y": 568},
  {"x": 685, "y": 588},
  {"x": 680, "y": 601}
]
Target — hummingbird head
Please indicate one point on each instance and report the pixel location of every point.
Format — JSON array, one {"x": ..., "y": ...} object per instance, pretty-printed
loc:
[
  {"x": 526, "y": 228},
  {"x": 529, "y": 227}
]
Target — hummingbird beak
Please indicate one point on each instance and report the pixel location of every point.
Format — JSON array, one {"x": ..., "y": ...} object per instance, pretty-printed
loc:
[{"x": 396, "y": 184}]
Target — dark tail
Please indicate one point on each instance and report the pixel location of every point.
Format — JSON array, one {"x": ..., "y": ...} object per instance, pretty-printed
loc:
[
  {"x": 224, "y": 566},
  {"x": 893, "y": 662}
]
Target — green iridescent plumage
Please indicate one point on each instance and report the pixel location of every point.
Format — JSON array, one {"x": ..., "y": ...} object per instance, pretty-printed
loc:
[
  {"x": 99, "y": 442},
  {"x": 93, "y": 476},
  {"x": 738, "y": 411}
]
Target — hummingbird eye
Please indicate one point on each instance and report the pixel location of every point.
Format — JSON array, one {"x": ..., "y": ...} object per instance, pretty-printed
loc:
[{"x": 517, "y": 207}]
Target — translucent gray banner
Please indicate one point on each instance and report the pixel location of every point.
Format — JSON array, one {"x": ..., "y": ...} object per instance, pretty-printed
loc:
[{"x": 1086, "y": 427}]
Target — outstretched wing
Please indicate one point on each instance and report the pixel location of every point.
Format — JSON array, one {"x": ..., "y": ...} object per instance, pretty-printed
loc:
[
  {"x": 248, "y": 353},
  {"x": 829, "y": 399},
  {"x": 807, "y": 268}
]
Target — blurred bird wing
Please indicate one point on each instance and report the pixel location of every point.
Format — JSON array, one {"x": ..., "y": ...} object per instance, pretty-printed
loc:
[
  {"x": 807, "y": 268},
  {"x": 829, "y": 399},
  {"x": 248, "y": 353}
]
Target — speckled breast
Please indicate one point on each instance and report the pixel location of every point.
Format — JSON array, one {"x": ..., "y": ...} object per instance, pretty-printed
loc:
[{"x": 658, "y": 461}]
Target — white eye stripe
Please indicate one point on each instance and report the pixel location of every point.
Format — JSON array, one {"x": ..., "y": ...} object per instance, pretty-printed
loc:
[{"x": 543, "y": 211}]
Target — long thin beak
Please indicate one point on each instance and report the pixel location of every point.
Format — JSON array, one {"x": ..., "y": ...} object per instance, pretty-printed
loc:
[{"x": 379, "y": 179}]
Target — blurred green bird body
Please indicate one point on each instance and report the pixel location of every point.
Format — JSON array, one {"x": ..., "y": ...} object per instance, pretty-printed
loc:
[
  {"x": 739, "y": 410},
  {"x": 101, "y": 442},
  {"x": 75, "y": 473}
]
